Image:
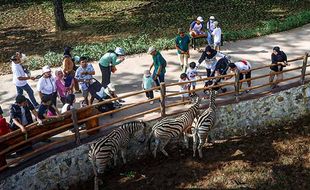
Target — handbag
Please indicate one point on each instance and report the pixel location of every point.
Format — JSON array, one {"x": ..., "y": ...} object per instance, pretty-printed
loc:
[{"x": 113, "y": 69}]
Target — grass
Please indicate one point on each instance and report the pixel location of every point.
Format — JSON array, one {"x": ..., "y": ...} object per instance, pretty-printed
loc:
[{"x": 97, "y": 26}]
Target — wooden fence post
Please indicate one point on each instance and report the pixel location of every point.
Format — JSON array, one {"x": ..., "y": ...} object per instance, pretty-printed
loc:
[
  {"x": 162, "y": 99},
  {"x": 237, "y": 85},
  {"x": 303, "y": 69},
  {"x": 76, "y": 126}
]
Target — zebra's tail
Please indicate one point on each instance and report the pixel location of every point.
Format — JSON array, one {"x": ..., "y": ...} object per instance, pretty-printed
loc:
[
  {"x": 148, "y": 140},
  {"x": 193, "y": 132},
  {"x": 92, "y": 159}
]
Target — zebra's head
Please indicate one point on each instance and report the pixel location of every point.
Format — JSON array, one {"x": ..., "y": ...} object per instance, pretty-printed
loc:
[
  {"x": 140, "y": 133},
  {"x": 195, "y": 99}
]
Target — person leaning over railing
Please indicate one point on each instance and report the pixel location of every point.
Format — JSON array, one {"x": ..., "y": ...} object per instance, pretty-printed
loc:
[
  {"x": 159, "y": 64},
  {"x": 47, "y": 110},
  {"x": 244, "y": 68},
  {"x": 278, "y": 60}
]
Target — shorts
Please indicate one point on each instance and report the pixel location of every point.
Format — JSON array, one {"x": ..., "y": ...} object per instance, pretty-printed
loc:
[
  {"x": 193, "y": 84},
  {"x": 85, "y": 93},
  {"x": 217, "y": 43},
  {"x": 276, "y": 68},
  {"x": 247, "y": 75},
  {"x": 185, "y": 95}
]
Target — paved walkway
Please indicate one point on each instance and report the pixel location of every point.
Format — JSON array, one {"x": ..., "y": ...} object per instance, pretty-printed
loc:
[{"x": 129, "y": 74}]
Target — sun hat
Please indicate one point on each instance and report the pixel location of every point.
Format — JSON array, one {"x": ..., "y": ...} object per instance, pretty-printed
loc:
[
  {"x": 111, "y": 86},
  {"x": 119, "y": 51},
  {"x": 147, "y": 73},
  {"x": 151, "y": 50},
  {"x": 212, "y": 18},
  {"x": 46, "y": 69},
  {"x": 200, "y": 19},
  {"x": 20, "y": 99}
]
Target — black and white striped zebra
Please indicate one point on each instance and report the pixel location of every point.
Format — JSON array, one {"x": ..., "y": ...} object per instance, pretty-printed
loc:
[
  {"x": 103, "y": 150},
  {"x": 169, "y": 128},
  {"x": 204, "y": 124}
]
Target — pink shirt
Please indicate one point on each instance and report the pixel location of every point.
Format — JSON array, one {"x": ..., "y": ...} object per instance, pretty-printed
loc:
[{"x": 60, "y": 86}]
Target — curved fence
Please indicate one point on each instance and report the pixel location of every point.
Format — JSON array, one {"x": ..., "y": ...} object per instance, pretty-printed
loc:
[{"x": 90, "y": 116}]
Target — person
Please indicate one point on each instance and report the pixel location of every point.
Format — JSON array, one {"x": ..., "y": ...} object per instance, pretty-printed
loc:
[
  {"x": 46, "y": 109},
  {"x": 244, "y": 68},
  {"x": 184, "y": 87},
  {"x": 108, "y": 62},
  {"x": 209, "y": 56},
  {"x": 84, "y": 74},
  {"x": 62, "y": 89},
  {"x": 278, "y": 61},
  {"x": 210, "y": 29},
  {"x": 192, "y": 73},
  {"x": 20, "y": 78},
  {"x": 217, "y": 33},
  {"x": 148, "y": 83},
  {"x": 110, "y": 92},
  {"x": 69, "y": 67},
  {"x": 47, "y": 85},
  {"x": 70, "y": 99},
  {"x": 159, "y": 64},
  {"x": 20, "y": 114},
  {"x": 4, "y": 126},
  {"x": 221, "y": 68},
  {"x": 196, "y": 28},
  {"x": 182, "y": 42}
]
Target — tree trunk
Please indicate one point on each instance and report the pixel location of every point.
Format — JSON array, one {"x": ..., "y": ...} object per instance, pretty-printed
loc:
[{"x": 61, "y": 23}]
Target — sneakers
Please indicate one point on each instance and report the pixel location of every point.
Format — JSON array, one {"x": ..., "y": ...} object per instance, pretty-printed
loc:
[{"x": 121, "y": 101}]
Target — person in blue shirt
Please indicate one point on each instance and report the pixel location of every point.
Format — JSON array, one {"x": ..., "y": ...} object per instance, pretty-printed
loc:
[
  {"x": 159, "y": 64},
  {"x": 182, "y": 42}
]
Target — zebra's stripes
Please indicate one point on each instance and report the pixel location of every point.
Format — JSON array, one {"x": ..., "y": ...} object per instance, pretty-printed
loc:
[
  {"x": 204, "y": 124},
  {"x": 106, "y": 148},
  {"x": 167, "y": 129}
]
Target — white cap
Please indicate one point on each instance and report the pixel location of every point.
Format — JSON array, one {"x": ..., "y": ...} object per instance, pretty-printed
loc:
[
  {"x": 151, "y": 49},
  {"x": 111, "y": 87},
  {"x": 200, "y": 19},
  {"x": 212, "y": 18},
  {"x": 119, "y": 51},
  {"x": 46, "y": 69}
]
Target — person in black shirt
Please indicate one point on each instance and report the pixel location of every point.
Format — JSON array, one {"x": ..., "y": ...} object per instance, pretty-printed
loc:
[
  {"x": 278, "y": 61},
  {"x": 20, "y": 113},
  {"x": 47, "y": 109}
]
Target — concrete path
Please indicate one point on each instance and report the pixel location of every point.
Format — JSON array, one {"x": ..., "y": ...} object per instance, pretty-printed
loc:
[{"x": 129, "y": 74}]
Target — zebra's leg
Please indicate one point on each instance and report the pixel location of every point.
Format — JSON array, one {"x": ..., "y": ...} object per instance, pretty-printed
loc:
[
  {"x": 115, "y": 159},
  {"x": 123, "y": 154},
  {"x": 162, "y": 147},
  {"x": 185, "y": 140},
  {"x": 157, "y": 141},
  {"x": 195, "y": 138},
  {"x": 201, "y": 143}
]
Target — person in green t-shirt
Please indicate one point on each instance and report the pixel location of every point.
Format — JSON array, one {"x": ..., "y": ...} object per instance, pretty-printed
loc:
[
  {"x": 159, "y": 64},
  {"x": 182, "y": 45},
  {"x": 107, "y": 64}
]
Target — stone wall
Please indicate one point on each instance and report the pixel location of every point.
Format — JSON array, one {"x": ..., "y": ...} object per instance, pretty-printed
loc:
[{"x": 72, "y": 167}]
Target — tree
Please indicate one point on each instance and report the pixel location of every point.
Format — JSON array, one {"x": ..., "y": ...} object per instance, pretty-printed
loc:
[{"x": 61, "y": 23}]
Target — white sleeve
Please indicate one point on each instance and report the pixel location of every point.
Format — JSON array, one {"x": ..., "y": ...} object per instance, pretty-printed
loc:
[
  {"x": 220, "y": 54},
  {"x": 39, "y": 86}
]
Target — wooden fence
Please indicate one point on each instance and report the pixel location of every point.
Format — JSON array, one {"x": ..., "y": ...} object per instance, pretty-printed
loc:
[{"x": 89, "y": 115}]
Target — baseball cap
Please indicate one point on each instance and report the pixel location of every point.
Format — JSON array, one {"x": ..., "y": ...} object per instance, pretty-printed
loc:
[
  {"x": 200, "y": 19},
  {"x": 119, "y": 51},
  {"x": 212, "y": 18}
]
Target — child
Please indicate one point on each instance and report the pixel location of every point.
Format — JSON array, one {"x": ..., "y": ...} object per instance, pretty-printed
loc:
[
  {"x": 192, "y": 73},
  {"x": 46, "y": 109},
  {"x": 184, "y": 87},
  {"x": 148, "y": 83},
  {"x": 70, "y": 99}
]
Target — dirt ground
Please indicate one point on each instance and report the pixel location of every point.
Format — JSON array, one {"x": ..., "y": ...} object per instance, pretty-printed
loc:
[{"x": 278, "y": 160}]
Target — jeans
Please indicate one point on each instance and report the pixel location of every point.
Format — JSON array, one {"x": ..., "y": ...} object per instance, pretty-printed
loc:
[
  {"x": 149, "y": 94},
  {"x": 160, "y": 78},
  {"x": 29, "y": 91},
  {"x": 106, "y": 75},
  {"x": 210, "y": 39}
]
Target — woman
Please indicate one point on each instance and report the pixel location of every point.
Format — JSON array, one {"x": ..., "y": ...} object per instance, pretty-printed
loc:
[
  {"x": 47, "y": 85},
  {"x": 63, "y": 89},
  {"x": 108, "y": 62}
]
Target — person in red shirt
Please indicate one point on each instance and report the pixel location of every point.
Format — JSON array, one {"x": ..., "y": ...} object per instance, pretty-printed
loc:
[{"x": 4, "y": 126}]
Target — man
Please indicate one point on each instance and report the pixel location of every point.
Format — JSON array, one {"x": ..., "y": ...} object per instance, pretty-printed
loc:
[
  {"x": 196, "y": 28},
  {"x": 20, "y": 79},
  {"x": 20, "y": 114},
  {"x": 159, "y": 64},
  {"x": 279, "y": 60},
  {"x": 244, "y": 68},
  {"x": 84, "y": 74},
  {"x": 108, "y": 62},
  {"x": 182, "y": 45}
]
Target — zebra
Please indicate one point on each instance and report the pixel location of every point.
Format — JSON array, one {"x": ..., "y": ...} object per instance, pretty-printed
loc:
[
  {"x": 169, "y": 128},
  {"x": 204, "y": 124},
  {"x": 106, "y": 148}
]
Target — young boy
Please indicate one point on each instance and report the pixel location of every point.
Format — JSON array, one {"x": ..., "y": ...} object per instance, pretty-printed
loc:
[
  {"x": 184, "y": 87},
  {"x": 46, "y": 109},
  {"x": 192, "y": 74},
  {"x": 148, "y": 83}
]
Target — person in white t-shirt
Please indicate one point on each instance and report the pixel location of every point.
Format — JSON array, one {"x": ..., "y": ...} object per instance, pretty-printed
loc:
[
  {"x": 20, "y": 79},
  {"x": 192, "y": 75},
  {"x": 47, "y": 85},
  {"x": 217, "y": 32},
  {"x": 244, "y": 67}
]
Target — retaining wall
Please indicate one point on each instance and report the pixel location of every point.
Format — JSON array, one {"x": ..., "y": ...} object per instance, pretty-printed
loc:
[{"x": 72, "y": 167}]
